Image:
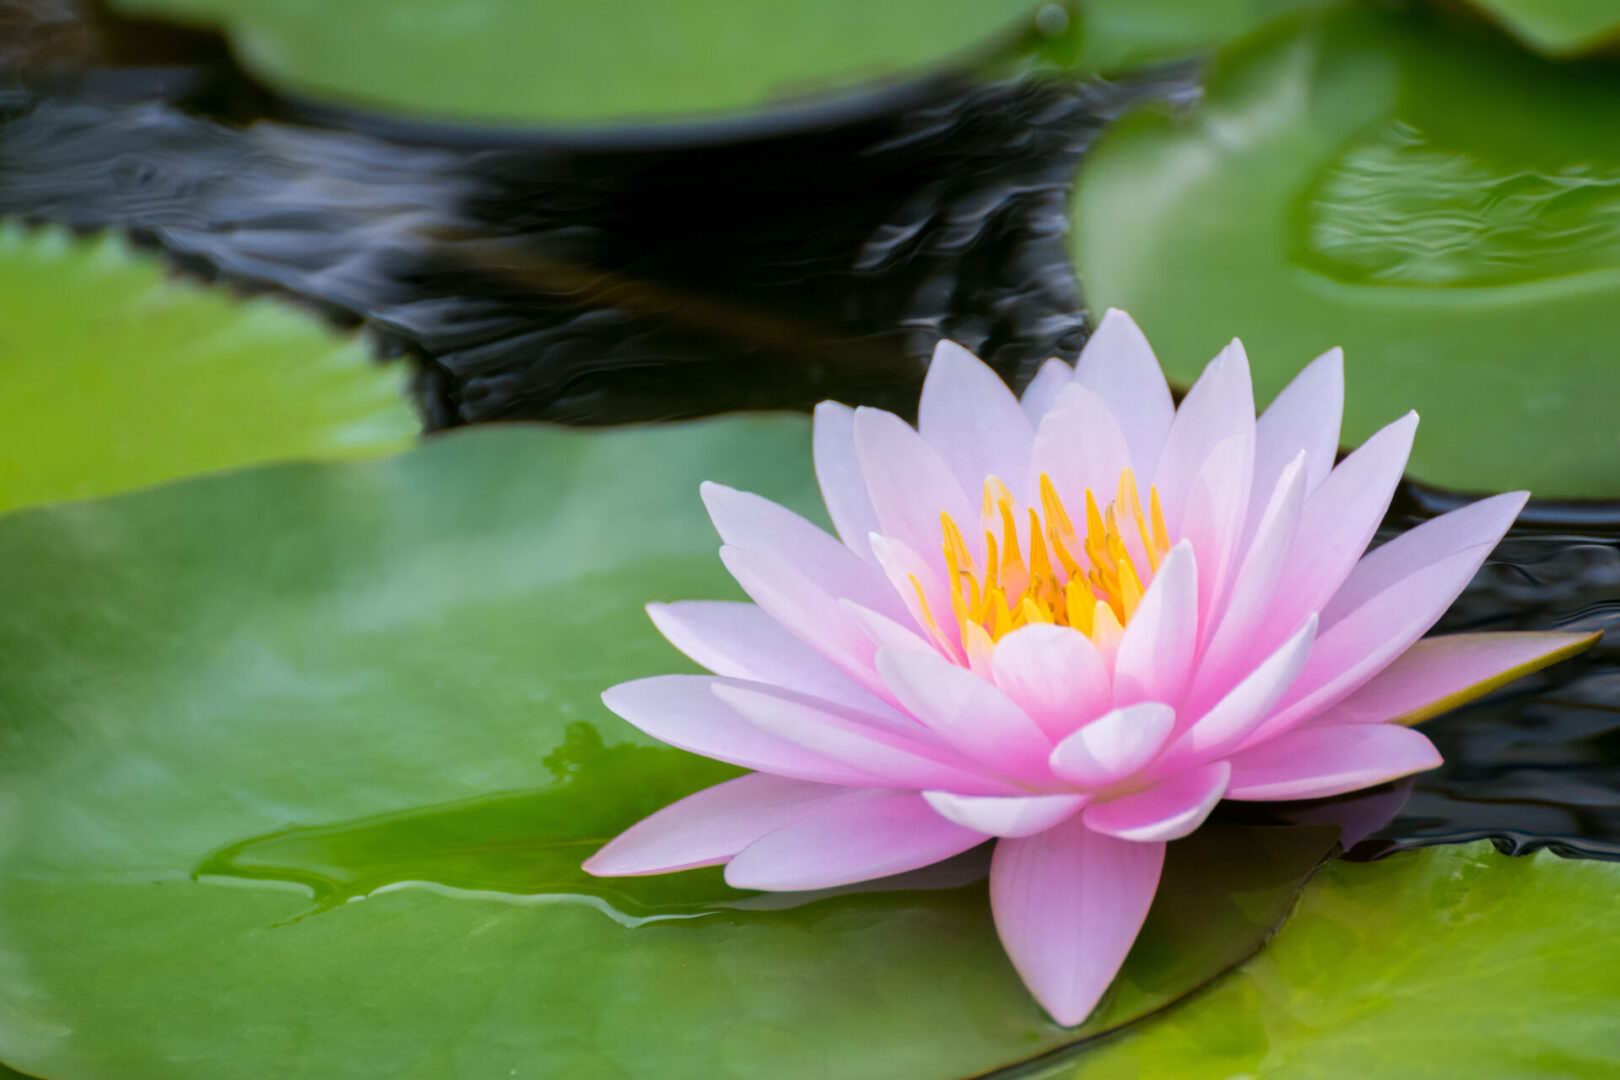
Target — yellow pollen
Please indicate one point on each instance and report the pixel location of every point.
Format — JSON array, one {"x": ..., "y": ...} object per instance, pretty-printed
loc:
[{"x": 1092, "y": 581}]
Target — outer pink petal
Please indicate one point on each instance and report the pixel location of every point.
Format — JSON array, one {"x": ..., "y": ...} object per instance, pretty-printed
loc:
[
  {"x": 1172, "y": 808},
  {"x": 1246, "y": 706},
  {"x": 972, "y": 419},
  {"x": 1068, "y": 904},
  {"x": 1314, "y": 762},
  {"x": 1363, "y": 643},
  {"x": 909, "y": 483},
  {"x": 1005, "y": 816},
  {"x": 1304, "y": 418},
  {"x": 1055, "y": 674},
  {"x": 1483, "y": 522},
  {"x": 1118, "y": 365},
  {"x": 754, "y": 523},
  {"x": 1043, "y": 389},
  {"x": 967, "y": 712},
  {"x": 1231, "y": 643},
  {"x": 852, "y": 840},
  {"x": 682, "y": 711},
  {"x": 1155, "y": 656},
  {"x": 1081, "y": 446},
  {"x": 1338, "y": 521},
  {"x": 740, "y": 641},
  {"x": 1219, "y": 405},
  {"x": 804, "y": 610},
  {"x": 838, "y": 471},
  {"x": 1213, "y": 518},
  {"x": 712, "y": 825},
  {"x": 858, "y": 742},
  {"x": 1115, "y": 745},
  {"x": 1438, "y": 674}
]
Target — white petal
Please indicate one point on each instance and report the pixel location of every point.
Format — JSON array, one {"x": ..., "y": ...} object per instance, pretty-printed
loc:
[{"x": 1005, "y": 815}]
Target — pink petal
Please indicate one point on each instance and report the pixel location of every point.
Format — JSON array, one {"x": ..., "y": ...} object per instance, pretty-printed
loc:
[
  {"x": 1231, "y": 642},
  {"x": 968, "y": 713},
  {"x": 1082, "y": 447},
  {"x": 929, "y": 614},
  {"x": 1043, "y": 389},
  {"x": 681, "y": 710},
  {"x": 884, "y": 632},
  {"x": 1304, "y": 418},
  {"x": 857, "y": 742},
  {"x": 1115, "y": 745},
  {"x": 1068, "y": 904},
  {"x": 1055, "y": 674},
  {"x": 1338, "y": 521},
  {"x": 1156, "y": 653},
  {"x": 1314, "y": 762},
  {"x": 1005, "y": 815},
  {"x": 1483, "y": 522},
  {"x": 1118, "y": 365},
  {"x": 972, "y": 419},
  {"x": 853, "y": 840},
  {"x": 910, "y": 484},
  {"x": 1216, "y": 509},
  {"x": 1172, "y": 808},
  {"x": 1241, "y": 711},
  {"x": 1363, "y": 643},
  {"x": 753, "y": 523},
  {"x": 838, "y": 471},
  {"x": 1219, "y": 406},
  {"x": 1438, "y": 674},
  {"x": 712, "y": 825},
  {"x": 740, "y": 641}
]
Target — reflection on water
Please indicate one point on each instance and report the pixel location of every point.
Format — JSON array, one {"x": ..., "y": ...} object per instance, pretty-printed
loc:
[{"x": 1396, "y": 209}]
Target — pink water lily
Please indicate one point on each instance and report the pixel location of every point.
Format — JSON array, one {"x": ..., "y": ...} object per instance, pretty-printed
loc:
[{"x": 1071, "y": 623}]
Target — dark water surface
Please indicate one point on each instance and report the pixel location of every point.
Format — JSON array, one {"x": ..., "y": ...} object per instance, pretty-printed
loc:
[{"x": 683, "y": 271}]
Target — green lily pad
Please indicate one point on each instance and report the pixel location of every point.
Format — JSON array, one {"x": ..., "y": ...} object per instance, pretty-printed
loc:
[
  {"x": 1409, "y": 186},
  {"x": 1116, "y": 35},
  {"x": 297, "y": 766},
  {"x": 1427, "y": 965},
  {"x": 113, "y": 377},
  {"x": 575, "y": 62},
  {"x": 1558, "y": 27}
]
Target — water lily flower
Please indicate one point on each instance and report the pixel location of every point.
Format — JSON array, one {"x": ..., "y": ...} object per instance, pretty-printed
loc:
[{"x": 1070, "y": 623}]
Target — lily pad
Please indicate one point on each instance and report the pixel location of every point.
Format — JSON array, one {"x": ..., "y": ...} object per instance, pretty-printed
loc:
[
  {"x": 297, "y": 766},
  {"x": 1116, "y": 35},
  {"x": 113, "y": 377},
  {"x": 1406, "y": 184},
  {"x": 1435, "y": 964},
  {"x": 572, "y": 62},
  {"x": 1558, "y": 27}
]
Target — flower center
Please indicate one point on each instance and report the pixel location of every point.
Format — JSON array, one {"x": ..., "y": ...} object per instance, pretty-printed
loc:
[{"x": 1054, "y": 573}]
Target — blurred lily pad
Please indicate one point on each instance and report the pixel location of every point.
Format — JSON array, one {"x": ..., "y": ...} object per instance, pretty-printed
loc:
[
  {"x": 1410, "y": 186},
  {"x": 1558, "y": 27},
  {"x": 297, "y": 766},
  {"x": 1116, "y": 35},
  {"x": 1427, "y": 965},
  {"x": 113, "y": 377},
  {"x": 572, "y": 62}
]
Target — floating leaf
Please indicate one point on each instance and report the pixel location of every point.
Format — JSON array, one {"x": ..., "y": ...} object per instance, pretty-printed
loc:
[
  {"x": 590, "y": 62},
  {"x": 1412, "y": 187},
  {"x": 297, "y": 767},
  {"x": 112, "y": 377},
  {"x": 1116, "y": 35},
  {"x": 1558, "y": 27},
  {"x": 1434, "y": 964}
]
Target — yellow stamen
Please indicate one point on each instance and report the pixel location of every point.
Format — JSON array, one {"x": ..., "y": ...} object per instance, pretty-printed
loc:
[{"x": 1091, "y": 582}]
